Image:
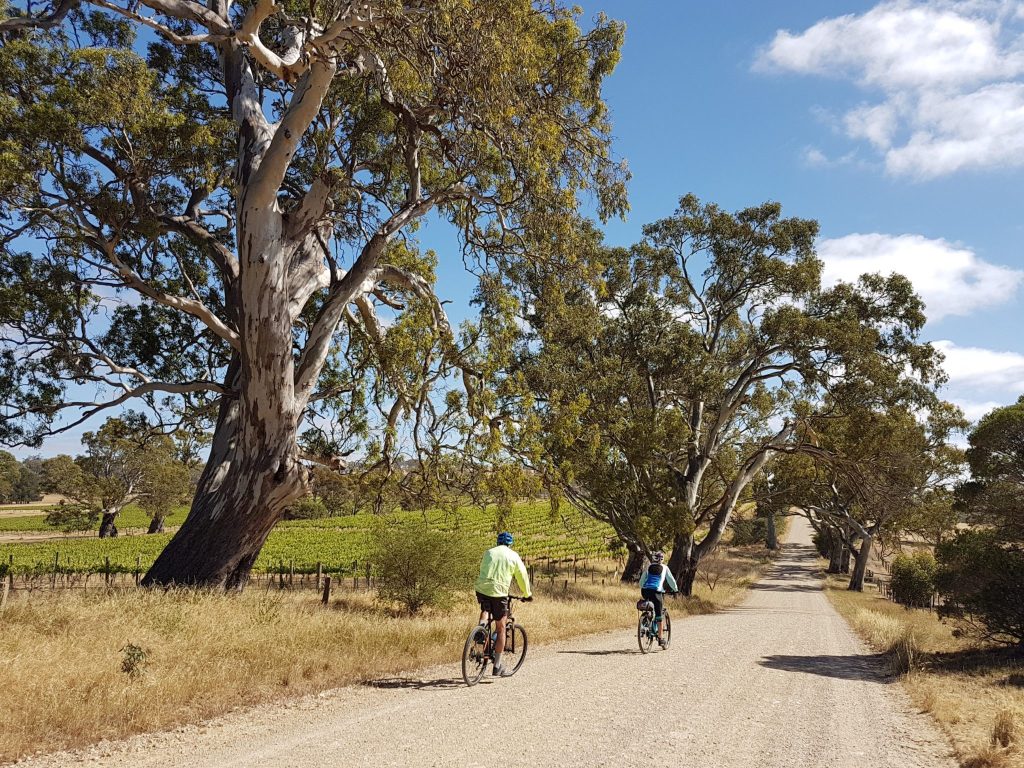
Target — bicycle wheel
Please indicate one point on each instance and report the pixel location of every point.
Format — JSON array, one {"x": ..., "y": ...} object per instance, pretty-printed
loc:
[
  {"x": 474, "y": 656},
  {"x": 515, "y": 649},
  {"x": 644, "y": 635},
  {"x": 668, "y": 628}
]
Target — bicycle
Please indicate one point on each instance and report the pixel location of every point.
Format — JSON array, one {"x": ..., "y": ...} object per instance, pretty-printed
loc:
[
  {"x": 647, "y": 626},
  {"x": 479, "y": 648}
]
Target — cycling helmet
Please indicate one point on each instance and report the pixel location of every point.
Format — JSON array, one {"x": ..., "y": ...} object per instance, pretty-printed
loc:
[
  {"x": 505, "y": 538},
  {"x": 657, "y": 557}
]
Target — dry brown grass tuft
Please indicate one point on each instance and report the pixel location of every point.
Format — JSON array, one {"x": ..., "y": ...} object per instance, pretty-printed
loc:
[
  {"x": 76, "y": 669},
  {"x": 969, "y": 689}
]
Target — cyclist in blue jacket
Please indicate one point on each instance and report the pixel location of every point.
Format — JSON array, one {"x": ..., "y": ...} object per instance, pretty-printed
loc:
[{"x": 652, "y": 587}]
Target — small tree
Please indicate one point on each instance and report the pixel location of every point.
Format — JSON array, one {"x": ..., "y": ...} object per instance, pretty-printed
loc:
[
  {"x": 165, "y": 485},
  {"x": 417, "y": 566},
  {"x": 913, "y": 578},
  {"x": 981, "y": 580}
]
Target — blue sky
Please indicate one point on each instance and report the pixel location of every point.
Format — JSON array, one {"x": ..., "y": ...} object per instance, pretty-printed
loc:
[{"x": 899, "y": 126}]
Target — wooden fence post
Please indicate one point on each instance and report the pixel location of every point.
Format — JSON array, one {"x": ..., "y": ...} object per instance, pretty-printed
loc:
[
  {"x": 106, "y": 570},
  {"x": 327, "y": 590},
  {"x": 319, "y": 574},
  {"x": 291, "y": 573},
  {"x": 4, "y": 592},
  {"x": 138, "y": 570},
  {"x": 367, "y": 575}
]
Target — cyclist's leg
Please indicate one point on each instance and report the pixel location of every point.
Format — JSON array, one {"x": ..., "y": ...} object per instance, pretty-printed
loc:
[
  {"x": 659, "y": 609},
  {"x": 499, "y": 610},
  {"x": 483, "y": 601}
]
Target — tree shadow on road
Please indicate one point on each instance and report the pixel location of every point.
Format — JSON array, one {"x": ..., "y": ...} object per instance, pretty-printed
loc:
[
  {"x": 406, "y": 682},
  {"x": 616, "y": 652},
  {"x": 870, "y": 667}
]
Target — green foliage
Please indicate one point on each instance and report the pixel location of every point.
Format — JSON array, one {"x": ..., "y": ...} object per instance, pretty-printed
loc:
[
  {"x": 981, "y": 580},
  {"x": 913, "y": 578},
  {"x": 748, "y": 530},
  {"x": 133, "y": 660},
  {"x": 72, "y": 517},
  {"x": 307, "y": 508},
  {"x": 418, "y": 566},
  {"x": 996, "y": 456}
]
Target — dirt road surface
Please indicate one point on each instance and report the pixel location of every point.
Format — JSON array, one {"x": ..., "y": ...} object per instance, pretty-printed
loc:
[{"x": 777, "y": 682}]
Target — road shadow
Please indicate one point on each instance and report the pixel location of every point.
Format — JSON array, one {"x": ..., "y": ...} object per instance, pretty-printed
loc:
[
  {"x": 616, "y": 652},
  {"x": 446, "y": 683},
  {"x": 869, "y": 667}
]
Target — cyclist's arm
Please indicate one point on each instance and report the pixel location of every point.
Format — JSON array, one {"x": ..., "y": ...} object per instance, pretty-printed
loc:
[
  {"x": 670, "y": 580},
  {"x": 522, "y": 577}
]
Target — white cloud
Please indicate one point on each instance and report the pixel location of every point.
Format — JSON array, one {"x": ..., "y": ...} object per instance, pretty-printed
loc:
[
  {"x": 980, "y": 369},
  {"x": 951, "y": 279},
  {"x": 975, "y": 410},
  {"x": 948, "y": 77}
]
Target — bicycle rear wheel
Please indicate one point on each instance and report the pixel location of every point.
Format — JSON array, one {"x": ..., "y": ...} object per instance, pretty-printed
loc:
[
  {"x": 515, "y": 649},
  {"x": 474, "y": 656},
  {"x": 644, "y": 636},
  {"x": 668, "y": 628}
]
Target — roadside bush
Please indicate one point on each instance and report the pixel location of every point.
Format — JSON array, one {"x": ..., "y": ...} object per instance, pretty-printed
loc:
[
  {"x": 982, "y": 582},
  {"x": 417, "y": 566},
  {"x": 913, "y": 578},
  {"x": 747, "y": 531}
]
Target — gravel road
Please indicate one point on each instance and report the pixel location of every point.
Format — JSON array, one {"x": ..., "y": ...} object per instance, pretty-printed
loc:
[{"x": 778, "y": 682}]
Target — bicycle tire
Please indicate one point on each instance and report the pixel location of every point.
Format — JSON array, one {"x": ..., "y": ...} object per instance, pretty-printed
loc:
[
  {"x": 668, "y": 629},
  {"x": 474, "y": 659},
  {"x": 515, "y": 644},
  {"x": 644, "y": 636}
]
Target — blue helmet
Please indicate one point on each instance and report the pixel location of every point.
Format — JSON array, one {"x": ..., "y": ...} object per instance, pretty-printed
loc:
[{"x": 505, "y": 538}]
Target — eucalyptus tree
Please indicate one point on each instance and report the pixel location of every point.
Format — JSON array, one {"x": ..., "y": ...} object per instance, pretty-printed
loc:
[
  {"x": 213, "y": 202},
  {"x": 874, "y": 473},
  {"x": 660, "y": 393}
]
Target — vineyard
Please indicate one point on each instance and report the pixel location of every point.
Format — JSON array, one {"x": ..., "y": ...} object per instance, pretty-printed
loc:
[{"x": 337, "y": 543}]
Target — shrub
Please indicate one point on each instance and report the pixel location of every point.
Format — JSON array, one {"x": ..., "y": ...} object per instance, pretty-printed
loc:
[
  {"x": 307, "y": 508},
  {"x": 417, "y": 566},
  {"x": 982, "y": 582},
  {"x": 913, "y": 578},
  {"x": 746, "y": 531}
]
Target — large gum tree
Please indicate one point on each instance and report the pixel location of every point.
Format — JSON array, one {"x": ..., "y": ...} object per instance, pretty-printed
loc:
[
  {"x": 656, "y": 394},
  {"x": 209, "y": 205}
]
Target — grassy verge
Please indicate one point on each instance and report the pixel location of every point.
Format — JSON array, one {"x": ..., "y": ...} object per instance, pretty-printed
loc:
[
  {"x": 67, "y": 675},
  {"x": 976, "y": 693}
]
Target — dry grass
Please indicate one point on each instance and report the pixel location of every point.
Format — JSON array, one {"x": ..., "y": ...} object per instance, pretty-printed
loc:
[
  {"x": 76, "y": 669},
  {"x": 975, "y": 693}
]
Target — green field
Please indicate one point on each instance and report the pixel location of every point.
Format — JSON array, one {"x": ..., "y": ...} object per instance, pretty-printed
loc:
[
  {"x": 336, "y": 542},
  {"x": 130, "y": 517}
]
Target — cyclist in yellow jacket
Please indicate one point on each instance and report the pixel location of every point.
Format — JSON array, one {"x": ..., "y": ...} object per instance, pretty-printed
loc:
[{"x": 499, "y": 565}]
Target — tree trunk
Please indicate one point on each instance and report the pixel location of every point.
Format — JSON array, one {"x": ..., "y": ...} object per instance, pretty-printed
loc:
[
  {"x": 634, "y": 563},
  {"x": 683, "y": 563},
  {"x": 252, "y": 476},
  {"x": 156, "y": 525},
  {"x": 771, "y": 539},
  {"x": 107, "y": 528},
  {"x": 861, "y": 566},
  {"x": 844, "y": 558},
  {"x": 835, "y": 551}
]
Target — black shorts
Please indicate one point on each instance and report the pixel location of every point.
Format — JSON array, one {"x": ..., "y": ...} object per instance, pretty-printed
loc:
[
  {"x": 496, "y": 606},
  {"x": 656, "y": 597}
]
